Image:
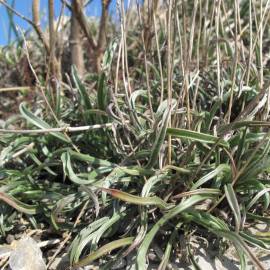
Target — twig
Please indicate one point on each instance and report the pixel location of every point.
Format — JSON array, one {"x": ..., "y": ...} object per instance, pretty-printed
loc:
[
  {"x": 16, "y": 12},
  {"x": 84, "y": 25},
  {"x": 16, "y": 88},
  {"x": 217, "y": 19},
  {"x": 159, "y": 59},
  {"x": 36, "y": 25},
  {"x": 169, "y": 70},
  {"x": 60, "y": 129}
]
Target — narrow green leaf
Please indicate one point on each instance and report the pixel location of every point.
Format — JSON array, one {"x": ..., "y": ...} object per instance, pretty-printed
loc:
[
  {"x": 40, "y": 123},
  {"x": 196, "y": 136},
  {"x": 237, "y": 125},
  {"x": 68, "y": 170},
  {"x": 82, "y": 90},
  {"x": 103, "y": 250},
  {"x": 257, "y": 197},
  {"x": 132, "y": 102},
  {"x": 18, "y": 205},
  {"x": 232, "y": 200},
  {"x": 90, "y": 159},
  {"x": 222, "y": 170},
  {"x": 156, "y": 201},
  {"x": 159, "y": 141},
  {"x": 108, "y": 56},
  {"x": 102, "y": 92},
  {"x": 84, "y": 237}
]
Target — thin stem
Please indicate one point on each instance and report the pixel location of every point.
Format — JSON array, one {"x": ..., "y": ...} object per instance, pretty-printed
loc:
[
  {"x": 159, "y": 60},
  {"x": 236, "y": 7},
  {"x": 169, "y": 83},
  {"x": 66, "y": 129},
  {"x": 218, "y": 48},
  {"x": 145, "y": 62}
]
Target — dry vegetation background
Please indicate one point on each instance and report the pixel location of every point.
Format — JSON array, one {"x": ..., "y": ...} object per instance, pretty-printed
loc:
[{"x": 138, "y": 132}]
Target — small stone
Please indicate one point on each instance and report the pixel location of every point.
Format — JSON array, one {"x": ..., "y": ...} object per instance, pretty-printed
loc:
[{"x": 26, "y": 256}]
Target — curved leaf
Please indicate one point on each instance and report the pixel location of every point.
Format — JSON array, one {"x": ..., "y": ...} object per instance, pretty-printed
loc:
[
  {"x": 196, "y": 136},
  {"x": 41, "y": 123},
  {"x": 102, "y": 251}
]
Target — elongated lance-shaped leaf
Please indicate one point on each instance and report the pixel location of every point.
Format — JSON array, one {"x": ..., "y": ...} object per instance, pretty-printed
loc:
[
  {"x": 198, "y": 191},
  {"x": 68, "y": 170},
  {"x": 162, "y": 109},
  {"x": 124, "y": 196},
  {"x": 150, "y": 183},
  {"x": 210, "y": 223},
  {"x": 258, "y": 218},
  {"x": 141, "y": 264},
  {"x": 132, "y": 102},
  {"x": 136, "y": 171},
  {"x": 257, "y": 240},
  {"x": 83, "y": 238},
  {"x": 91, "y": 235},
  {"x": 85, "y": 100},
  {"x": 232, "y": 200},
  {"x": 108, "y": 56},
  {"x": 18, "y": 205},
  {"x": 257, "y": 197},
  {"x": 93, "y": 196},
  {"x": 254, "y": 185},
  {"x": 196, "y": 136},
  {"x": 90, "y": 159},
  {"x": 240, "y": 124},
  {"x": 210, "y": 115},
  {"x": 102, "y": 251},
  {"x": 118, "y": 215},
  {"x": 205, "y": 219},
  {"x": 29, "y": 116},
  {"x": 91, "y": 177},
  {"x": 159, "y": 140},
  {"x": 222, "y": 169},
  {"x": 102, "y": 93}
]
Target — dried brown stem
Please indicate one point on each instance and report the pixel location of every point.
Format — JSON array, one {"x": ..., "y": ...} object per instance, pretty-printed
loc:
[{"x": 36, "y": 25}]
